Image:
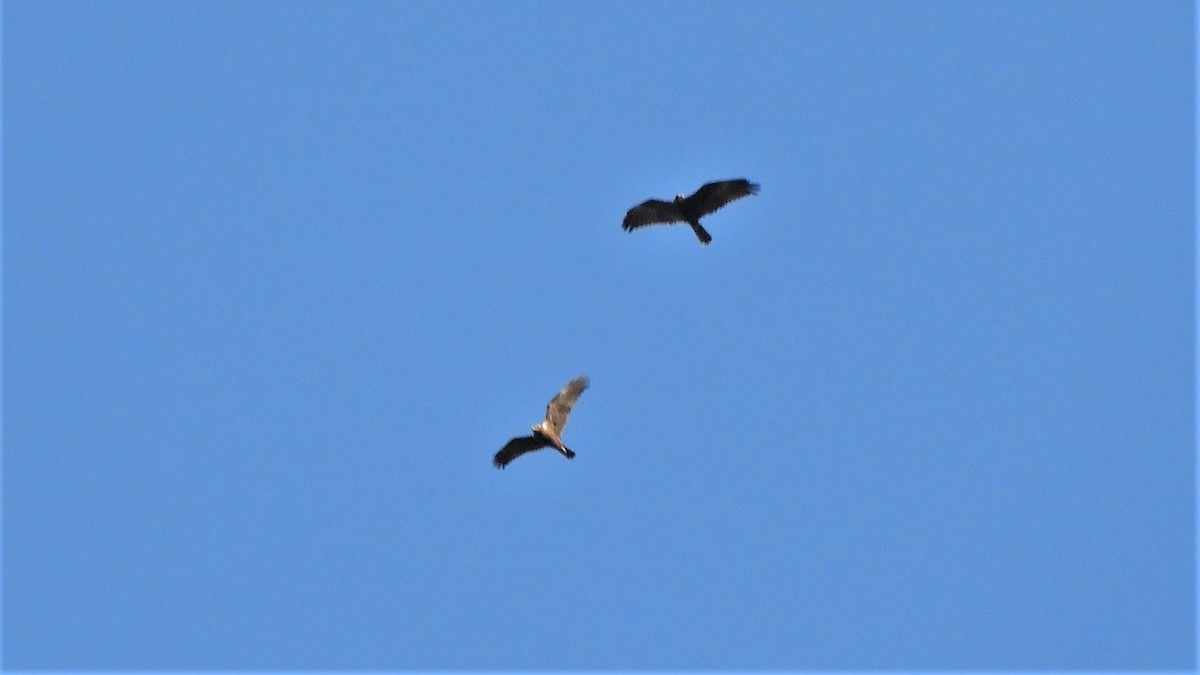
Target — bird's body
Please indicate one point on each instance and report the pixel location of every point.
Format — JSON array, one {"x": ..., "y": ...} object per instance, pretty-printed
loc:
[
  {"x": 709, "y": 198},
  {"x": 548, "y": 432}
]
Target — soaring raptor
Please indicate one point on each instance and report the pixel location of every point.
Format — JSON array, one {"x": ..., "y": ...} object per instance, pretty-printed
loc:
[
  {"x": 690, "y": 210},
  {"x": 548, "y": 432}
]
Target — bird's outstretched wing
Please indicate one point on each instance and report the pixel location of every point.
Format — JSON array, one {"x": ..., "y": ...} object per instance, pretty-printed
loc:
[
  {"x": 712, "y": 196},
  {"x": 650, "y": 212},
  {"x": 517, "y": 447},
  {"x": 560, "y": 406}
]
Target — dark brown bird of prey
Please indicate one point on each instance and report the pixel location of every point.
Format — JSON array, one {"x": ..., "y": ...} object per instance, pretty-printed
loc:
[
  {"x": 548, "y": 432},
  {"x": 690, "y": 210}
]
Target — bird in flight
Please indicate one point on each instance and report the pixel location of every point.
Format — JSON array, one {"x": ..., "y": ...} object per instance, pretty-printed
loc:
[
  {"x": 549, "y": 431},
  {"x": 709, "y": 198}
]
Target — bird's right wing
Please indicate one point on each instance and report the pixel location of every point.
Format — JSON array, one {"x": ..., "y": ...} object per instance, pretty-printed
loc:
[
  {"x": 560, "y": 406},
  {"x": 712, "y": 196},
  {"x": 650, "y": 212},
  {"x": 515, "y": 448}
]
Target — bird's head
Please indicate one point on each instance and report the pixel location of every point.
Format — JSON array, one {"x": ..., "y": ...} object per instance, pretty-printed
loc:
[
  {"x": 679, "y": 198},
  {"x": 537, "y": 427}
]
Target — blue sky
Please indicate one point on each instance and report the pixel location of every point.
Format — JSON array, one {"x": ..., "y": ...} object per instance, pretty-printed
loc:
[{"x": 279, "y": 278}]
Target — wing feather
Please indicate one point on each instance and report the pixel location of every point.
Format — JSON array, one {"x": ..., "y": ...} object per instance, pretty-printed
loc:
[
  {"x": 560, "y": 406},
  {"x": 517, "y": 447},
  {"x": 651, "y": 212},
  {"x": 712, "y": 196}
]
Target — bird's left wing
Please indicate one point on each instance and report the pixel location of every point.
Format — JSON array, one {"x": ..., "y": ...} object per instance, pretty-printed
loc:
[
  {"x": 650, "y": 212},
  {"x": 515, "y": 448}
]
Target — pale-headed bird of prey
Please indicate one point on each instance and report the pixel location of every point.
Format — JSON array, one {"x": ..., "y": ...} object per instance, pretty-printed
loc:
[
  {"x": 548, "y": 432},
  {"x": 709, "y": 198}
]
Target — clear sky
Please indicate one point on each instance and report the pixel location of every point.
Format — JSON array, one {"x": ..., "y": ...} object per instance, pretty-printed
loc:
[{"x": 280, "y": 278}]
